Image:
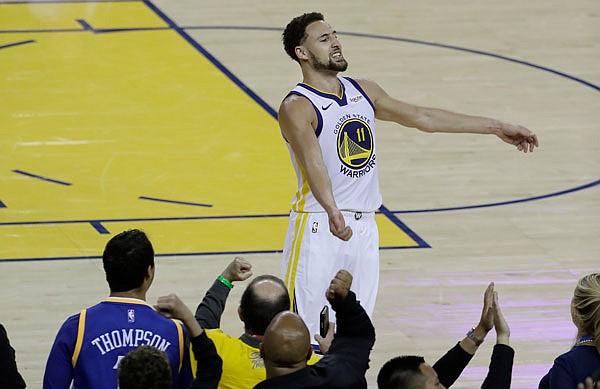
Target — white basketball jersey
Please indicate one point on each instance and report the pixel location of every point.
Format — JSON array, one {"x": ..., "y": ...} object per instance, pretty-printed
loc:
[{"x": 346, "y": 134}]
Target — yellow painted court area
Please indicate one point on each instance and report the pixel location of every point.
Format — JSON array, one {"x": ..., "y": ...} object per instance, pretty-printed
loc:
[{"x": 109, "y": 117}]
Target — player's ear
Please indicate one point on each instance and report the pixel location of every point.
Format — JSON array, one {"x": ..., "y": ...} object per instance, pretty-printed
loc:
[
  {"x": 150, "y": 272},
  {"x": 301, "y": 52}
]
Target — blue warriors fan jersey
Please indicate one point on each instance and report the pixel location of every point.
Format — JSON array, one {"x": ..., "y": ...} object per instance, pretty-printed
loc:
[
  {"x": 346, "y": 135},
  {"x": 90, "y": 345}
]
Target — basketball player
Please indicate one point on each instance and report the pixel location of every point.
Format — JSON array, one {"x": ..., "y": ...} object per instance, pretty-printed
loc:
[
  {"x": 328, "y": 123},
  {"x": 90, "y": 345}
]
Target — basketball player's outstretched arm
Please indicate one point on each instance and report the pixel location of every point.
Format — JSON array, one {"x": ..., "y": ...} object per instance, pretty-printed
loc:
[
  {"x": 296, "y": 118},
  {"x": 439, "y": 120}
]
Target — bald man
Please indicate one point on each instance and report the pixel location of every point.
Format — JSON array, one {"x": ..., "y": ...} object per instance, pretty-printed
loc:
[
  {"x": 286, "y": 346},
  {"x": 262, "y": 299}
]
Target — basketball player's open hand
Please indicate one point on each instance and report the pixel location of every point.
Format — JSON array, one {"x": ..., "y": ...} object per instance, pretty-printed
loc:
[
  {"x": 337, "y": 225},
  {"x": 519, "y": 136},
  {"x": 238, "y": 270}
]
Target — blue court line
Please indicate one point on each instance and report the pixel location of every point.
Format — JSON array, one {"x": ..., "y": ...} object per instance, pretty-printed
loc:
[
  {"x": 260, "y": 28},
  {"x": 41, "y": 177},
  {"x": 383, "y": 210},
  {"x": 68, "y": 1},
  {"x": 219, "y": 65},
  {"x": 16, "y": 44},
  {"x": 168, "y": 255},
  {"x": 473, "y": 51},
  {"x": 125, "y": 29},
  {"x": 562, "y": 192},
  {"x": 247, "y": 28},
  {"x": 212, "y": 59},
  {"x": 86, "y": 26},
  {"x": 149, "y": 219},
  {"x": 99, "y": 227},
  {"x": 174, "y": 201},
  {"x": 40, "y": 30},
  {"x": 403, "y": 227}
]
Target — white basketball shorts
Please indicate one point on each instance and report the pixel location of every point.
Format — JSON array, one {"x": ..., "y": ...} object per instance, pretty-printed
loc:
[{"x": 312, "y": 256}]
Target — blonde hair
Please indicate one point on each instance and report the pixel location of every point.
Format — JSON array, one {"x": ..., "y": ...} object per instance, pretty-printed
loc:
[{"x": 586, "y": 306}]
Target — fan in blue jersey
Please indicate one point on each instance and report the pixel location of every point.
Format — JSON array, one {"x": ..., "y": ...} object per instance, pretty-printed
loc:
[{"x": 89, "y": 345}]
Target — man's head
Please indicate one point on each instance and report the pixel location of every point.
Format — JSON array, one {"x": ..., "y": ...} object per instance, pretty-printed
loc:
[
  {"x": 309, "y": 40},
  {"x": 264, "y": 298},
  {"x": 145, "y": 368},
  {"x": 128, "y": 261},
  {"x": 286, "y": 345},
  {"x": 408, "y": 372}
]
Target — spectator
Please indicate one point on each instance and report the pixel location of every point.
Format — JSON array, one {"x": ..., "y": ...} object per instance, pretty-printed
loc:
[
  {"x": 9, "y": 374},
  {"x": 572, "y": 367},
  {"x": 286, "y": 347},
  {"x": 209, "y": 364},
  {"x": 413, "y": 372},
  {"x": 146, "y": 367},
  {"x": 90, "y": 345},
  {"x": 262, "y": 299}
]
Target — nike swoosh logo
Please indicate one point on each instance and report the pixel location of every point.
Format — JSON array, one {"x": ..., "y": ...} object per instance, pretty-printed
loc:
[{"x": 326, "y": 108}]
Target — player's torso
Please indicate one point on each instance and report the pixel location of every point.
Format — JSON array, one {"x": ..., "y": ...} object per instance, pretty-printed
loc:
[{"x": 346, "y": 134}]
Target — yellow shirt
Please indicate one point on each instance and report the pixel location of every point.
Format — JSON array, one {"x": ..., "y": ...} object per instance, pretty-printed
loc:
[{"x": 242, "y": 365}]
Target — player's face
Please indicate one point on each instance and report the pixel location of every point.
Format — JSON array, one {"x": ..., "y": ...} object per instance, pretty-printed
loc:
[
  {"x": 324, "y": 49},
  {"x": 431, "y": 377}
]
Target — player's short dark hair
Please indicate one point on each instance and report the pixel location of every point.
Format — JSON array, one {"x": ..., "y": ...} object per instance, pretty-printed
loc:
[
  {"x": 295, "y": 32},
  {"x": 146, "y": 367},
  {"x": 258, "y": 311},
  {"x": 401, "y": 373},
  {"x": 126, "y": 259}
]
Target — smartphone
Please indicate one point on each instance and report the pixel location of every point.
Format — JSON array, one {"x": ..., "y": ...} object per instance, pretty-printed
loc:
[{"x": 324, "y": 321}]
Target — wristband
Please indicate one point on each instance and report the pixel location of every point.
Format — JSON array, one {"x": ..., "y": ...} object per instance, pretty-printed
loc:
[
  {"x": 225, "y": 281},
  {"x": 471, "y": 335}
]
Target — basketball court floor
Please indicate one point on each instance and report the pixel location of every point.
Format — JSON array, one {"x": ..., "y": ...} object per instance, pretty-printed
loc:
[{"x": 162, "y": 116}]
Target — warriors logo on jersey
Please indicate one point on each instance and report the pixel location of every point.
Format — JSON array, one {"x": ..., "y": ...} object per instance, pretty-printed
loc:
[{"x": 355, "y": 143}]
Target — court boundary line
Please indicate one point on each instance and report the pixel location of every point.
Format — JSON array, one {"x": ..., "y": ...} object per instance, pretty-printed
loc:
[
  {"x": 218, "y": 64},
  {"x": 383, "y": 210},
  {"x": 169, "y": 255},
  {"x": 69, "y": 1}
]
